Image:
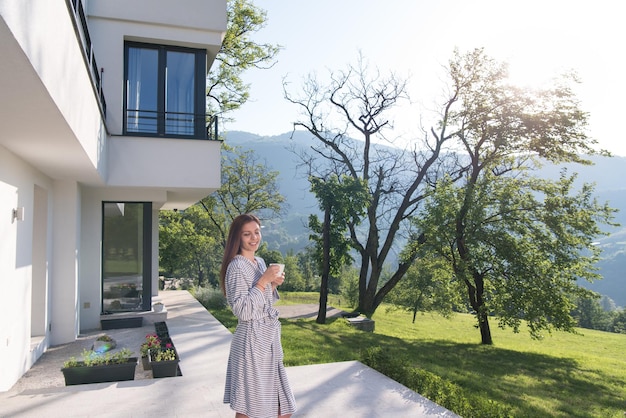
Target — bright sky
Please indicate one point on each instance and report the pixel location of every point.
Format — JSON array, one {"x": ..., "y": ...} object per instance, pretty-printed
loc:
[{"x": 415, "y": 38}]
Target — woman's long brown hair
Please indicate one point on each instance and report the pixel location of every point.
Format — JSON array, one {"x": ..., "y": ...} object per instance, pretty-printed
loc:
[{"x": 233, "y": 243}]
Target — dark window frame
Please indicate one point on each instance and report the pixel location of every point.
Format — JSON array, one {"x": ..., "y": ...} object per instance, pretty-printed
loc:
[
  {"x": 146, "y": 302},
  {"x": 199, "y": 115}
]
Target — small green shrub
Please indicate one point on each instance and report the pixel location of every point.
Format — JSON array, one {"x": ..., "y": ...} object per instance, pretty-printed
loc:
[
  {"x": 104, "y": 338},
  {"x": 350, "y": 291},
  {"x": 93, "y": 358},
  {"x": 391, "y": 366},
  {"x": 433, "y": 387},
  {"x": 209, "y": 297}
]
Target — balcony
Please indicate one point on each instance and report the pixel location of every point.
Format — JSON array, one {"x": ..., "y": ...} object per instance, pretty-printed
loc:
[
  {"x": 50, "y": 113},
  {"x": 185, "y": 170},
  {"x": 171, "y": 124},
  {"x": 77, "y": 12}
]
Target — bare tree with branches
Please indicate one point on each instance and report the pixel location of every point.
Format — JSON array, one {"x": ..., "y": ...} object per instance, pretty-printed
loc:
[{"x": 348, "y": 117}]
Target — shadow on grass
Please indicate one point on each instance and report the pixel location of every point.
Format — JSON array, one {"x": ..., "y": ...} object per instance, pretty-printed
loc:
[
  {"x": 560, "y": 385},
  {"x": 531, "y": 383}
]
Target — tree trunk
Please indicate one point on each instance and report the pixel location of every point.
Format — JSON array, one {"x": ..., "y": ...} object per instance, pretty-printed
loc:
[
  {"x": 362, "y": 284},
  {"x": 200, "y": 278},
  {"x": 481, "y": 311},
  {"x": 367, "y": 287},
  {"x": 485, "y": 331},
  {"x": 367, "y": 304},
  {"x": 478, "y": 304},
  {"x": 476, "y": 292},
  {"x": 321, "y": 313}
]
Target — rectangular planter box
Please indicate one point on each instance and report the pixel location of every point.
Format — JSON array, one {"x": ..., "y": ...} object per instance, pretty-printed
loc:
[
  {"x": 145, "y": 362},
  {"x": 103, "y": 373},
  {"x": 165, "y": 368},
  {"x": 161, "y": 329},
  {"x": 117, "y": 323},
  {"x": 364, "y": 324}
]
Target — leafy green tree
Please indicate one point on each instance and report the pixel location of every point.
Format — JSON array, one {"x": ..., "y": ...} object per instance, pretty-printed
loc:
[
  {"x": 270, "y": 256},
  {"x": 308, "y": 269},
  {"x": 518, "y": 243},
  {"x": 192, "y": 241},
  {"x": 589, "y": 314},
  {"x": 247, "y": 187},
  {"x": 607, "y": 303},
  {"x": 619, "y": 322},
  {"x": 187, "y": 245},
  {"x": 225, "y": 88},
  {"x": 427, "y": 287},
  {"x": 349, "y": 286},
  {"x": 173, "y": 244},
  {"x": 342, "y": 200},
  {"x": 294, "y": 279},
  {"x": 205, "y": 249}
]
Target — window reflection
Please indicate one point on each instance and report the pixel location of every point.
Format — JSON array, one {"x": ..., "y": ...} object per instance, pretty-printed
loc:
[
  {"x": 122, "y": 278},
  {"x": 165, "y": 90},
  {"x": 141, "y": 90},
  {"x": 179, "y": 93}
]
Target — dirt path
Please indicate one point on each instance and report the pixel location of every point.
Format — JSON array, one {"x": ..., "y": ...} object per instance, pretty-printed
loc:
[{"x": 306, "y": 311}]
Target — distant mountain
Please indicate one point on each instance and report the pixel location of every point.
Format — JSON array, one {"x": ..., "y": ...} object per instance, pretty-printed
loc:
[
  {"x": 291, "y": 234},
  {"x": 280, "y": 154}
]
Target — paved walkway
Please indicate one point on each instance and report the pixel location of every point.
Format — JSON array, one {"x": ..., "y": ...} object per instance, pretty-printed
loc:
[{"x": 346, "y": 389}]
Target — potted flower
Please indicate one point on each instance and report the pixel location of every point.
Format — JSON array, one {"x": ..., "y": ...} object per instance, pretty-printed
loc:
[
  {"x": 158, "y": 307},
  {"x": 97, "y": 367},
  {"x": 164, "y": 361},
  {"x": 151, "y": 343}
]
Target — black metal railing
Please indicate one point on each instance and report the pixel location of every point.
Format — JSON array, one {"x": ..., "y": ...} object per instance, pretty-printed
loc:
[
  {"x": 171, "y": 124},
  {"x": 79, "y": 19},
  {"x": 211, "y": 128}
]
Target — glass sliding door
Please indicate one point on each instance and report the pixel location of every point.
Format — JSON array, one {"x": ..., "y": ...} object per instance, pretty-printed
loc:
[
  {"x": 180, "y": 75},
  {"x": 126, "y": 256},
  {"x": 142, "y": 90}
]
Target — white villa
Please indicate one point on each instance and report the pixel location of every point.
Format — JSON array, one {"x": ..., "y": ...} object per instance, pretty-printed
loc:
[{"x": 102, "y": 125}]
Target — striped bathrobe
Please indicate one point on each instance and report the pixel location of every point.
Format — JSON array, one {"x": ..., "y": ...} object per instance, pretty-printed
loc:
[{"x": 256, "y": 381}]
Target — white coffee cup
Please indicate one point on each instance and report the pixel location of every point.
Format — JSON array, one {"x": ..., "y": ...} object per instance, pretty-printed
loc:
[{"x": 281, "y": 267}]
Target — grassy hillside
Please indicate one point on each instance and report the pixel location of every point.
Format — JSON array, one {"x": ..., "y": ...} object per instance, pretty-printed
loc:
[{"x": 563, "y": 375}]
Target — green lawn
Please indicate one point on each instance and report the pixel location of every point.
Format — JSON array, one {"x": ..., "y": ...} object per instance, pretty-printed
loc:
[{"x": 562, "y": 375}]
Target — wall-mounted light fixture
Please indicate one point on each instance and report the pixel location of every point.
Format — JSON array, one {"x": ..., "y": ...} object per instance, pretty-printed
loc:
[{"x": 18, "y": 214}]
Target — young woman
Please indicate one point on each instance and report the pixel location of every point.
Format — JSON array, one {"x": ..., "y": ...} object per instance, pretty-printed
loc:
[{"x": 256, "y": 381}]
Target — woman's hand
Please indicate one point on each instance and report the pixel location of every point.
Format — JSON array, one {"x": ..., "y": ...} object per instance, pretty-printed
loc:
[
  {"x": 271, "y": 275},
  {"x": 278, "y": 279}
]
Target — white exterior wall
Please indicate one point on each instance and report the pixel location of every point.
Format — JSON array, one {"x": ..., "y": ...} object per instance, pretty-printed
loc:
[
  {"x": 90, "y": 267},
  {"x": 64, "y": 325},
  {"x": 53, "y": 100},
  {"x": 55, "y": 162},
  {"x": 22, "y": 314}
]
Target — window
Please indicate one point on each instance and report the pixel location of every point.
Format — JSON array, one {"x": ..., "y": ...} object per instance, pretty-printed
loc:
[
  {"x": 165, "y": 91},
  {"x": 126, "y": 256}
]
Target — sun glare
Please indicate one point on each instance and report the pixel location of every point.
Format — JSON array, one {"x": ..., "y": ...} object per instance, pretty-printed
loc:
[{"x": 530, "y": 73}]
